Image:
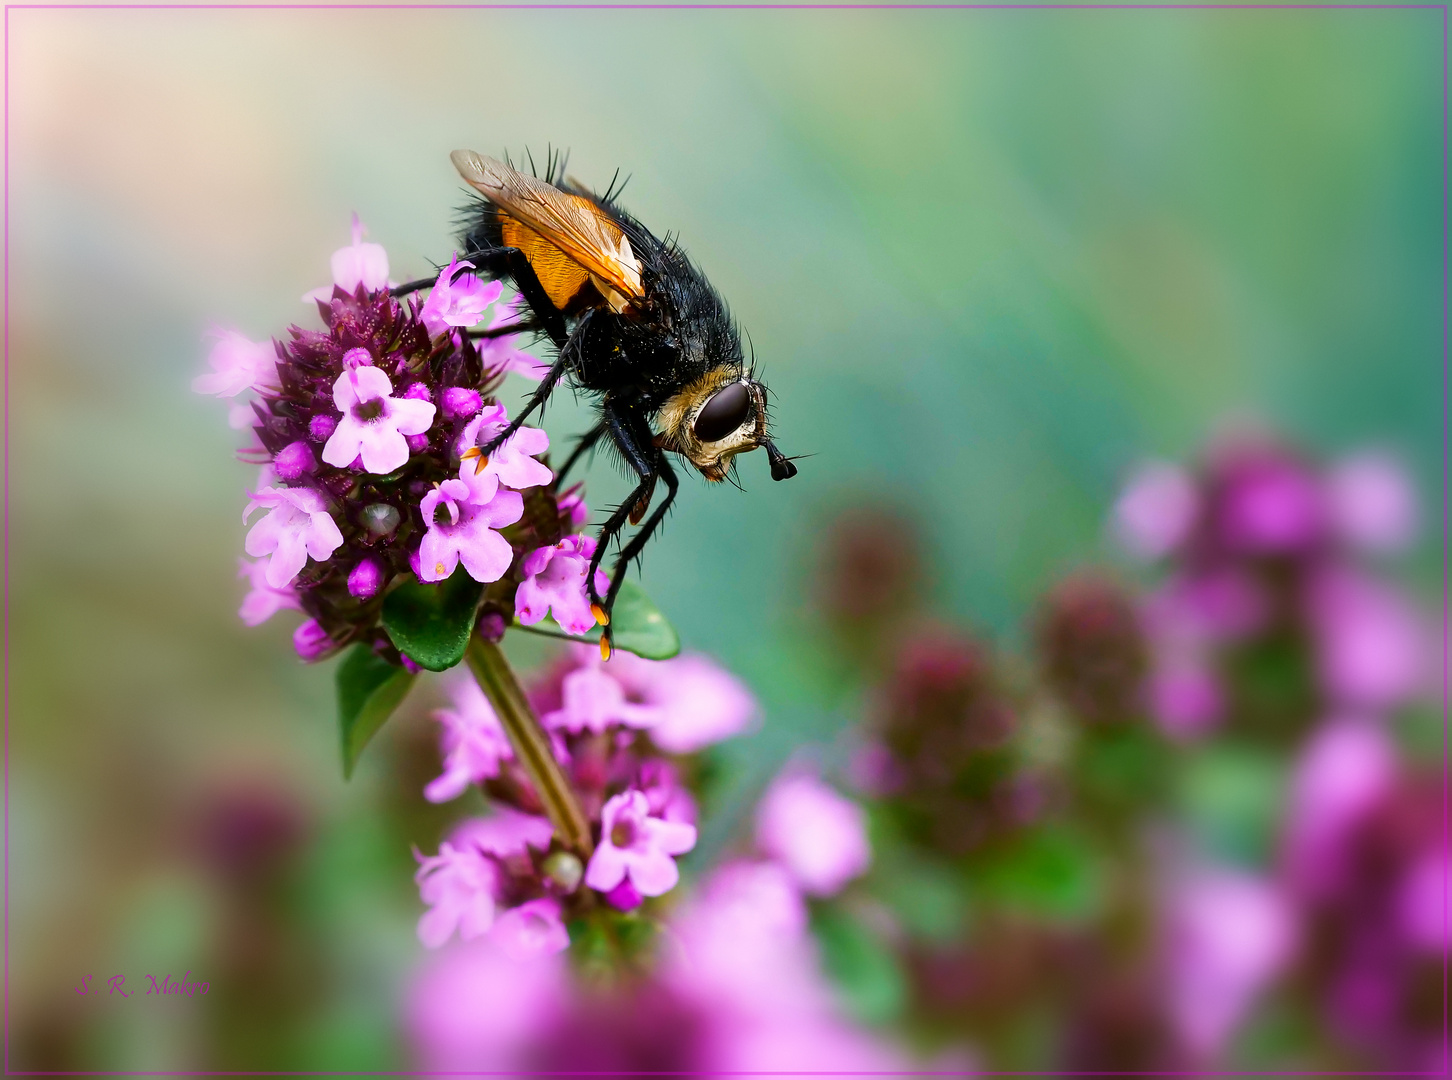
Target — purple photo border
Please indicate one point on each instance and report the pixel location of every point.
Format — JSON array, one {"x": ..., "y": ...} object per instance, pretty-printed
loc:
[{"x": 1446, "y": 477}]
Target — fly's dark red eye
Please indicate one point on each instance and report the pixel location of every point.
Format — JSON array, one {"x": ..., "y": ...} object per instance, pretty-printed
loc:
[{"x": 724, "y": 413}]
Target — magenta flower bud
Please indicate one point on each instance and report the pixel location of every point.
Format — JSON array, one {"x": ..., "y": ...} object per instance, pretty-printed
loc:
[
  {"x": 418, "y": 391},
  {"x": 365, "y": 580},
  {"x": 624, "y": 897},
  {"x": 294, "y": 460},
  {"x": 491, "y": 626},
  {"x": 460, "y": 403},
  {"x": 355, "y": 358},
  {"x": 311, "y": 640},
  {"x": 417, "y": 444},
  {"x": 321, "y": 428}
]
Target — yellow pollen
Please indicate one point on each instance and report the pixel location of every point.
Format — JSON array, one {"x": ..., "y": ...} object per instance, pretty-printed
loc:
[
  {"x": 439, "y": 568},
  {"x": 604, "y": 648},
  {"x": 600, "y": 616}
]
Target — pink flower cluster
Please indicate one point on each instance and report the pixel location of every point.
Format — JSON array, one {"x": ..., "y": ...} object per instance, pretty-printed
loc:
[
  {"x": 604, "y": 721},
  {"x": 368, "y": 433}
]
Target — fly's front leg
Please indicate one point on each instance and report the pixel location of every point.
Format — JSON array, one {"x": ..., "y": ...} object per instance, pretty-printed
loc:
[
  {"x": 585, "y": 444},
  {"x": 569, "y": 354}
]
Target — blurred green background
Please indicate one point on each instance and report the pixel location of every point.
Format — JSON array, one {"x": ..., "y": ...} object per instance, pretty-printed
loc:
[{"x": 987, "y": 261}]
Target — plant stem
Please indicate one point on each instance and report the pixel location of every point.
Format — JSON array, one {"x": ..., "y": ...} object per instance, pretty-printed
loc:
[{"x": 531, "y": 745}]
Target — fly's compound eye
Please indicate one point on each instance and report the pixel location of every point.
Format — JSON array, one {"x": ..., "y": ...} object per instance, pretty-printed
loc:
[{"x": 727, "y": 410}]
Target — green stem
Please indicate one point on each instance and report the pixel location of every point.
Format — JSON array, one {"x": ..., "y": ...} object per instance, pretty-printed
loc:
[{"x": 531, "y": 745}]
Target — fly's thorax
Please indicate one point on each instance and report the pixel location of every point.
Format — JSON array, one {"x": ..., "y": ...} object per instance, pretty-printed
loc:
[{"x": 714, "y": 418}]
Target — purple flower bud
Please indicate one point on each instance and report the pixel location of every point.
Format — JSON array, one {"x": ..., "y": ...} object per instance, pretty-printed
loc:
[
  {"x": 417, "y": 443},
  {"x": 461, "y": 404},
  {"x": 311, "y": 640},
  {"x": 624, "y": 897},
  {"x": 491, "y": 626},
  {"x": 418, "y": 391},
  {"x": 355, "y": 358},
  {"x": 294, "y": 460},
  {"x": 366, "y": 579},
  {"x": 321, "y": 427}
]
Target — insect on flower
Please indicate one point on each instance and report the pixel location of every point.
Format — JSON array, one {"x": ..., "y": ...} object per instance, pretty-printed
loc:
[{"x": 633, "y": 323}]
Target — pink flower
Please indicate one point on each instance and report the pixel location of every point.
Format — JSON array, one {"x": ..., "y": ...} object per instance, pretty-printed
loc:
[
  {"x": 592, "y": 699},
  {"x": 1184, "y": 696},
  {"x": 816, "y": 834},
  {"x": 1371, "y": 502},
  {"x": 457, "y": 298},
  {"x": 1269, "y": 503},
  {"x": 263, "y": 601},
  {"x": 513, "y": 464},
  {"x": 237, "y": 365},
  {"x": 458, "y": 885},
  {"x": 461, "y": 529},
  {"x": 571, "y": 502},
  {"x": 358, "y": 263},
  {"x": 1230, "y": 934},
  {"x": 635, "y": 844},
  {"x": 472, "y": 1008},
  {"x": 499, "y": 355},
  {"x": 1421, "y": 901},
  {"x": 296, "y": 526},
  {"x": 1371, "y": 649},
  {"x": 365, "y": 579},
  {"x": 533, "y": 929},
  {"x": 374, "y": 422},
  {"x": 555, "y": 579},
  {"x": 473, "y": 741},
  {"x": 1342, "y": 774},
  {"x": 699, "y": 703},
  {"x": 1157, "y": 510},
  {"x": 505, "y": 832}
]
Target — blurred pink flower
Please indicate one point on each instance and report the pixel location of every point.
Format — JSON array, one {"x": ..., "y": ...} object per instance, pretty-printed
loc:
[
  {"x": 1156, "y": 510},
  {"x": 1184, "y": 697},
  {"x": 555, "y": 579},
  {"x": 358, "y": 263},
  {"x": 458, "y": 885},
  {"x": 1343, "y": 772},
  {"x": 1208, "y": 606},
  {"x": 472, "y": 1007},
  {"x": 1269, "y": 503},
  {"x": 458, "y": 298},
  {"x": 531, "y": 930},
  {"x": 512, "y": 464},
  {"x": 1372, "y": 503},
  {"x": 473, "y": 742},
  {"x": 262, "y": 601},
  {"x": 1230, "y": 934},
  {"x": 506, "y": 832},
  {"x": 1371, "y": 646},
  {"x": 463, "y": 529},
  {"x": 238, "y": 364},
  {"x": 571, "y": 502},
  {"x": 297, "y": 525},
  {"x": 634, "y": 843},
  {"x": 592, "y": 699},
  {"x": 816, "y": 834},
  {"x": 498, "y": 354},
  {"x": 374, "y": 422},
  {"x": 1422, "y": 901},
  {"x": 697, "y": 702}
]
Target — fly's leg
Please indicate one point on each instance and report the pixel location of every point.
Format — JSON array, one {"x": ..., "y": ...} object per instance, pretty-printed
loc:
[
  {"x": 585, "y": 444},
  {"x": 572, "y": 349}
]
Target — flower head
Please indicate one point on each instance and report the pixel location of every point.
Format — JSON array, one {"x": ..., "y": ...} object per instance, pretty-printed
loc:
[
  {"x": 1157, "y": 510},
  {"x": 634, "y": 844},
  {"x": 554, "y": 582},
  {"x": 297, "y": 525},
  {"x": 816, "y": 834},
  {"x": 374, "y": 422},
  {"x": 461, "y": 529},
  {"x": 532, "y": 929},
  {"x": 593, "y": 699}
]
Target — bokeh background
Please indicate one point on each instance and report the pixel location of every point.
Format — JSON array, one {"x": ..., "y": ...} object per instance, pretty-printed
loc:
[{"x": 988, "y": 262}]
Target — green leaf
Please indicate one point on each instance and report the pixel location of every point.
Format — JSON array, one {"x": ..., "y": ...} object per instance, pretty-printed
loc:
[
  {"x": 369, "y": 689},
  {"x": 431, "y": 624},
  {"x": 640, "y": 627},
  {"x": 1050, "y": 872}
]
